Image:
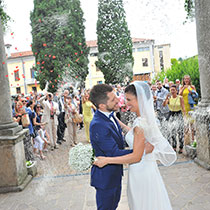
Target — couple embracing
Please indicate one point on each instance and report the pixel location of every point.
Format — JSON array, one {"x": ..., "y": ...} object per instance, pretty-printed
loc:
[{"x": 145, "y": 190}]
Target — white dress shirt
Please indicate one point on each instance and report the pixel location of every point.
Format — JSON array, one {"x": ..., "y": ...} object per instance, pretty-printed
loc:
[{"x": 107, "y": 115}]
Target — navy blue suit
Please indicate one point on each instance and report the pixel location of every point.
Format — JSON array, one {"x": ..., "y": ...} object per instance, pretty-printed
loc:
[{"x": 108, "y": 141}]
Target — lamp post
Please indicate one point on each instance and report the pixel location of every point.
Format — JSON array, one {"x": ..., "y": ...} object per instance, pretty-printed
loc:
[
  {"x": 24, "y": 79},
  {"x": 90, "y": 73}
]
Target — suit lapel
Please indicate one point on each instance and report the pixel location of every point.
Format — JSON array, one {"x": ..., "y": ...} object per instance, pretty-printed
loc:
[{"x": 117, "y": 131}]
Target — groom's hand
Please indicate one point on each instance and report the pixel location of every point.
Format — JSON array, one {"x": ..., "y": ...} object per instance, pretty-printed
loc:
[
  {"x": 100, "y": 161},
  {"x": 148, "y": 148}
]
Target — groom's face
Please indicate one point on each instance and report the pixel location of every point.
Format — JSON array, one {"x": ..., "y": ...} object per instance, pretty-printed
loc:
[{"x": 112, "y": 102}]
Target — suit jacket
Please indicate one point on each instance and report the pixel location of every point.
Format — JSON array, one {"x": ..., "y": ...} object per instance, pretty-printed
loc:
[
  {"x": 61, "y": 104},
  {"x": 46, "y": 112},
  {"x": 108, "y": 141}
]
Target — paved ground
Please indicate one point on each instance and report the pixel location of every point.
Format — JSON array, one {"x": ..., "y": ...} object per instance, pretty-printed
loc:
[{"x": 57, "y": 187}]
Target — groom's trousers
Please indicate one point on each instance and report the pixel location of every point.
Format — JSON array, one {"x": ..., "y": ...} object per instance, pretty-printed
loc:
[{"x": 108, "y": 199}]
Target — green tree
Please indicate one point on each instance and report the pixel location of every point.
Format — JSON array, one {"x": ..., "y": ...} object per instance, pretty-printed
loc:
[
  {"x": 180, "y": 68},
  {"x": 189, "y": 7},
  {"x": 4, "y": 17},
  {"x": 58, "y": 42},
  {"x": 76, "y": 44},
  {"x": 114, "y": 43}
]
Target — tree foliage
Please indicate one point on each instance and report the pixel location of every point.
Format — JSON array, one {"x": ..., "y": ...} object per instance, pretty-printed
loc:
[
  {"x": 114, "y": 42},
  {"x": 180, "y": 68},
  {"x": 59, "y": 43},
  {"x": 189, "y": 7},
  {"x": 3, "y": 16}
]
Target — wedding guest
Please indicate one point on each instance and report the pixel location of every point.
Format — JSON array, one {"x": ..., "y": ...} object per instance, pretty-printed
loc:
[
  {"x": 87, "y": 107},
  {"x": 61, "y": 118},
  {"x": 20, "y": 112},
  {"x": 185, "y": 90},
  {"x": 81, "y": 125},
  {"x": 120, "y": 95},
  {"x": 162, "y": 111},
  {"x": 170, "y": 84},
  {"x": 37, "y": 124},
  {"x": 38, "y": 146},
  {"x": 154, "y": 94},
  {"x": 70, "y": 111},
  {"x": 178, "y": 85},
  {"x": 40, "y": 140},
  {"x": 176, "y": 122},
  {"x": 50, "y": 114},
  {"x": 166, "y": 84}
]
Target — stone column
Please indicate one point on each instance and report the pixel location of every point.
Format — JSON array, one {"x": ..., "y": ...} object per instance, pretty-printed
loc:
[
  {"x": 202, "y": 114},
  {"x": 13, "y": 172}
]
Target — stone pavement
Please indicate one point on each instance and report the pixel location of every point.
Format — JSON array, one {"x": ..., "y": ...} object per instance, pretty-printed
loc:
[{"x": 57, "y": 187}]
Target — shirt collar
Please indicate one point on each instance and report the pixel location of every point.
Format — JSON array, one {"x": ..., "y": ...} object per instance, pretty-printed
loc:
[{"x": 105, "y": 113}]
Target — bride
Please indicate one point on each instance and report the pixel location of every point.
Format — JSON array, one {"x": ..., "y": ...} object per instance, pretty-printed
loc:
[{"x": 146, "y": 190}]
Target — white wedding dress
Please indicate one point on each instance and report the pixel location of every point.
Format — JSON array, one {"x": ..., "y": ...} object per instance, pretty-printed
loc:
[{"x": 146, "y": 190}]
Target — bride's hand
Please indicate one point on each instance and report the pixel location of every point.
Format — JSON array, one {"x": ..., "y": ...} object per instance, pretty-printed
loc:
[
  {"x": 100, "y": 161},
  {"x": 148, "y": 147}
]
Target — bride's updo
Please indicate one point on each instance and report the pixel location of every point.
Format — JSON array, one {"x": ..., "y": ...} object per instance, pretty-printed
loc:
[{"x": 131, "y": 89}]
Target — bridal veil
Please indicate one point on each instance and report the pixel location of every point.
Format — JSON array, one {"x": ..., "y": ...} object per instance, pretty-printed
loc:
[{"x": 162, "y": 149}]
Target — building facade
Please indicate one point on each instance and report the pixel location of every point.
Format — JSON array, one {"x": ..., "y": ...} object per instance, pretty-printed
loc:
[
  {"x": 149, "y": 59},
  {"x": 21, "y": 74}
]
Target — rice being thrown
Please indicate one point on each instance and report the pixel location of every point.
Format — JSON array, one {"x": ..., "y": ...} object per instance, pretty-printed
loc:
[{"x": 81, "y": 157}]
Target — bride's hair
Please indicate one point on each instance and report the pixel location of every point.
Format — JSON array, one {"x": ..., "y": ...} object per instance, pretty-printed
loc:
[{"x": 131, "y": 89}]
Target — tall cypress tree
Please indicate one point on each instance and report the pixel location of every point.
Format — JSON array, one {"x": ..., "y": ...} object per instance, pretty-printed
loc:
[
  {"x": 58, "y": 44},
  {"x": 115, "y": 58},
  {"x": 78, "y": 60},
  {"x": 4, "y": 17}
]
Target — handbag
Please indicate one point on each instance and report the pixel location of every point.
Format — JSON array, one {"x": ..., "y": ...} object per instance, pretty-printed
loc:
[
  {"x": 25, "y": 120},
  {"x": 77, "y": 118},
  {"x": 195, "y": 96}
]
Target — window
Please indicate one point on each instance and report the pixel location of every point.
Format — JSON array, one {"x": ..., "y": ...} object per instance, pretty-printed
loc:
[
  {"x": 32, "y": 73},
  {"x": 141, "y": 49},
  {"x": 34, "y": 89},
  {"x": 18, "y": 91},
  {"x": 144, "y": 61},
  {"x": 93, "y": 54},
  {"x": 17, "y": 78},
  {"x": 161, "y": 60}
]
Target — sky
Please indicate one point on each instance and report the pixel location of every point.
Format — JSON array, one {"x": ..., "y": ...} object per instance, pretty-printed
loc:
[{"x": 161, "y": 20}]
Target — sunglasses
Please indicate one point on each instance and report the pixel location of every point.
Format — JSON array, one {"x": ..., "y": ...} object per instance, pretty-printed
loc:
[
  {"x": 24, "y": 101},
  {"x": 38, "y": 107}
]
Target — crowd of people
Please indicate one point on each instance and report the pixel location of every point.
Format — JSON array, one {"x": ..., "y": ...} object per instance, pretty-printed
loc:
[
  {"x": 49, "y": 116},
  {"x": 174, "y": 104}
]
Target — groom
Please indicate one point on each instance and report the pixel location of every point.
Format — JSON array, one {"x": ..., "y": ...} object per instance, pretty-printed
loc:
[{"x": 107, "y": 140}]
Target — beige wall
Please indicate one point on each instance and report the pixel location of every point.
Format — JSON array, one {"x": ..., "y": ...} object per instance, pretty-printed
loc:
[
  {"x": 138, "y": 65},
  {"x": 166, "y": 57},
  {"x": 18, "y": 63},
  {"x": 94, "y": 77}
]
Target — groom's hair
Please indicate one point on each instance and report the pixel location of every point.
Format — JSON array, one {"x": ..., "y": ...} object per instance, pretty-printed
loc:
[{"x": 98, "y": 94}]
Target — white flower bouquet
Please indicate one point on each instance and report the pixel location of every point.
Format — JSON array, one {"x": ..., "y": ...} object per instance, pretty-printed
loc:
[{"x": 81, "y": 157}]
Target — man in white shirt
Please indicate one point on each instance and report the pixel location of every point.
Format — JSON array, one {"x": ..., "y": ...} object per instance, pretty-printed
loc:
[{"x": 50, "y": 114}]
